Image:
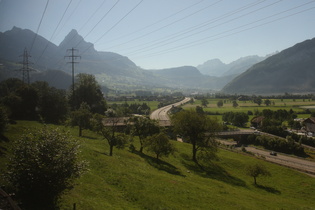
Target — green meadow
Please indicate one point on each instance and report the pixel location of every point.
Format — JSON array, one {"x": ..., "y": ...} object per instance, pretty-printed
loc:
[
  {"x": 152, "y": 104},
  {"x": 137, "y": 181},
  {"x": 297, "y": 105}
]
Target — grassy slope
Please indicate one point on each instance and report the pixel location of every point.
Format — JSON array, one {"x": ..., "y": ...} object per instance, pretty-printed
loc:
[{"x": 132, "y": 181}]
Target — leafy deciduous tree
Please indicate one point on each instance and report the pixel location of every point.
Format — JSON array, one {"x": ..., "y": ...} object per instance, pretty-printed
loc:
[
  {"x": 52, "y": 103},
  {"x": 87, "y": 90},
  {"x": 144, "y": 127},
  {"x": 81, "y": 117},
  {"x": 197, "y": 129},
  {"x": 235, "y": 104},
  {"x": 204, "y": 102},
  {"x": 44, "y": 164},
  {"x": 159, "y": 144},
  {"x": 220, "y": 103},
  {"x": 257, "y": 170},
  {"x": 110, "y": 133}
]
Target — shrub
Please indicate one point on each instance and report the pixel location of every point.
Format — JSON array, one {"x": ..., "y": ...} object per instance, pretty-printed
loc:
[{"x": 43, "y": 165}]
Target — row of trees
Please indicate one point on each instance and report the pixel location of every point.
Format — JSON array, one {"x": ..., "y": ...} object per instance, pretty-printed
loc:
[{"x": 39, "y": 101}]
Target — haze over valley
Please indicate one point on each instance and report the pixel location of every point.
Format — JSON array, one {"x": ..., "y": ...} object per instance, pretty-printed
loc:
[{"x": 118, "y": 72}]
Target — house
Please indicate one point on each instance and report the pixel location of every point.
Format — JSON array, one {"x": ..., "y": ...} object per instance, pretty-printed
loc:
[
  {"x": 309, "y": 124},
  {"x": 257, "y": 121}
]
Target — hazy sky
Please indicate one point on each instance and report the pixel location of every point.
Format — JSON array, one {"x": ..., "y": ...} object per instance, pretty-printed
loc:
[{"x": 169, "y": 33}]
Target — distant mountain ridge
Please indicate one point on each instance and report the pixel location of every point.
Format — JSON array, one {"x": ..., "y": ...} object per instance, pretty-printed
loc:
[
  {"x": 216, "y": 67},
  {"x": 292, "y": 70},
  {"x": 110, "y": 69}
]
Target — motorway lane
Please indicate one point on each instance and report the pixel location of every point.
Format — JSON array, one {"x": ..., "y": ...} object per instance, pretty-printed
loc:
[
  {"x": 290, "y": 161},
  {"x": 281, "y": 159},
  {"x": 161, "y": 113}
]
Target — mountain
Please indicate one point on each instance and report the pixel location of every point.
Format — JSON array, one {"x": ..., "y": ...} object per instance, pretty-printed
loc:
[
  {"x": 185, "y": 76},
  {"x": 291, "y": 70},
  {"x": 216, "y": 67},
  {"x": 110, "y": 69},
  {"x": 242, "y": 64}
]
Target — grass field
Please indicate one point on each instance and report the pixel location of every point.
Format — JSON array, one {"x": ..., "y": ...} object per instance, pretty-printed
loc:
[
  {"x": 152, "y": 104},
  {"x": 136, "y": 181},
  {"x": 286, "y": 104}
]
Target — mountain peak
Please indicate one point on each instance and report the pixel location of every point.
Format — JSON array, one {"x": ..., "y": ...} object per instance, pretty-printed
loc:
[{"x": 74, "y": 39}]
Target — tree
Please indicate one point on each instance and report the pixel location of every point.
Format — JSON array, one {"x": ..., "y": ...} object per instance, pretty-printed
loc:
[
  {"x": 21, "y": 101},
  {"x": 199, "y": 110},
  {"x": 257, "y": 170},
  {"x": 220, "y": 103},
  {"x": 159, "y": 144},
  {"x": 52, "y": 103},
  {"x": 81, "y": 117},
  {"x": 204, "y": 102},
  {"x": 43, "y": 165},
  {"x": 235, "y": 104},
  {"x": 258, "y": 101},
  {"x": 197, "y": 129},
  {"x": 236, "y": 118},
  {"x": 144, "y": 127},
  {"x": 110, "y": 133},
  {"x": 108, "y": 127},
  {"x": 267, "y": 102},
  {"x": 87, "y": 90}
]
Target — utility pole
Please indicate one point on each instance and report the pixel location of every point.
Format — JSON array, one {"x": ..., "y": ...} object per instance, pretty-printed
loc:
[
  {"x": 73, "y": 58},
  {"x": 25, "y": 69}
]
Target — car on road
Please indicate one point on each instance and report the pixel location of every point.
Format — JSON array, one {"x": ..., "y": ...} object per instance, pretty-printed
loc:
[{"x": 273, "y": 153}]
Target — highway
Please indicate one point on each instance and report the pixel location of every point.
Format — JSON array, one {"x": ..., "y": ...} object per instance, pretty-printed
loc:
[
  {"x": 290, "y": 161},
  {"x": 161, "y": 114}
]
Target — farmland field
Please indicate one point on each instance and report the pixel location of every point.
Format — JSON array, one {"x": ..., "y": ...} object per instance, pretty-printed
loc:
[{"x": 297, "y": 106}]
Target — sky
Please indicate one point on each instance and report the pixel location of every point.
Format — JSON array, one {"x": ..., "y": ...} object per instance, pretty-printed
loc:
[{"x": 157, "y": 34}]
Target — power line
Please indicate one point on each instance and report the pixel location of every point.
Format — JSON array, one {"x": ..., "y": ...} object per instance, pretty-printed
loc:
[
  {"x": 114, "y": 25},
  {"x": 54, "y": 31},
  {"x": 69, "y": 16},
  {"x": 157, "y": 22},
  {"x": 207, "y": 39},
  {"x": 40, "y": 22},
  {"x": 192, "y": 29},
  {"x": 93, "y": 14},
  {"x": 93, "y": 27},
  {"x": 172, "y": 23}
]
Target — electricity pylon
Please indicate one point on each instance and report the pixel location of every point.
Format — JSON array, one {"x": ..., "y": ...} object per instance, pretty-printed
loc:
[
  {"x": 25, "y": 69},
  {"x": 73, "y": 58}
]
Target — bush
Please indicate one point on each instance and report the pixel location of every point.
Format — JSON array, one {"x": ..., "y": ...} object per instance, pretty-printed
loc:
[{"x": 43, "y": 165}]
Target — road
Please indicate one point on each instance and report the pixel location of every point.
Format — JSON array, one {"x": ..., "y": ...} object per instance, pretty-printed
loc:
[
  {"x": 281, "y": 159},
  {"x": 161, "y": 113}
]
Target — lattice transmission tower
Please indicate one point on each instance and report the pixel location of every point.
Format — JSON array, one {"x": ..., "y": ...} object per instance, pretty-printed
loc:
[{"x": 25, "y": 67}]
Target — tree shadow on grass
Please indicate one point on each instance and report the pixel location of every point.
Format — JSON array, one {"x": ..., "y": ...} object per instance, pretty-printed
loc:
[
  {"x": 3, "y": 150},
  {"x": 102, "y": 153},
  {"x": 88, "y": 137},
  {"x": 3, "y": 138},
  {"x": 159, "y": 164},
  {"x": 212, "y": 171},
  {"x": 268, "y": 189}
]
